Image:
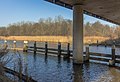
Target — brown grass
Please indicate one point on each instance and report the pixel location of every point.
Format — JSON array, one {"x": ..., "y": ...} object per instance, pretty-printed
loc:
[{"x": 63, "y": 39}]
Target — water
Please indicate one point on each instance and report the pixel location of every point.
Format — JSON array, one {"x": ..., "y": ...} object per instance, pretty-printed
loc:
[
  {"x": 100, "y": 49},
  {"x": 53, "y": 69}
]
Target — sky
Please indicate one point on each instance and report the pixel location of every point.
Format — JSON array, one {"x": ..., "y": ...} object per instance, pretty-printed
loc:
[{"x": 13, "y": 11}]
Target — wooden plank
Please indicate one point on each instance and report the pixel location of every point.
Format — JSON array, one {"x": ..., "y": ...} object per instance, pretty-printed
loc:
[
  {"x": 40, "y": 51},
  {"x": 100, "y": 54},
  {"x": 53, "y": 52},
  {"x": 99, "y": 59},
  {"x": 30, "y": 47},
  {"x": 30, "y": 50},
  {"x": 117, "y": 61},
  {"x": 63, "y": 50},
  {"x": 36, "y": 47},
  {"x": 52, "y": 49},
  {"x": 117, "y": 56},
  {"x": 64, "y": 53},
  {"x": 40, "y": 48}
]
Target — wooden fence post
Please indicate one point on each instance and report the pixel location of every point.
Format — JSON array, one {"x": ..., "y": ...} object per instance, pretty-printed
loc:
[
  {"x": 112, "y": 61},
  {"x": 46, "y": 48},
  {"x": 87, "y": 53},
  {"x": 59, "y": 49},
  {"x": 14, "y": 45},
  {"x": 97, "y": 43},
  {"x": 105, "y": 44},
  {"x": 68, "y": 50},
  {"x": 35, "y": 48},
  {"x": 25, "y": 47},
  {"x": 5, "y": 44}
]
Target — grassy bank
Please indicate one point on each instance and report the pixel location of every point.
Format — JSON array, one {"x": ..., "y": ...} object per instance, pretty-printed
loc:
[{"x": 63, "y": 39}]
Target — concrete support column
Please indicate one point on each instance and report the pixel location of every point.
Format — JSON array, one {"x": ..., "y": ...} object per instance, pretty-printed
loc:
[{"x": 77, "y": 32}]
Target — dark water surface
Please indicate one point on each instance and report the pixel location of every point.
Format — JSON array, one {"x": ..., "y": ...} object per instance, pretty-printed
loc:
[{"x": 54, "y": 69}]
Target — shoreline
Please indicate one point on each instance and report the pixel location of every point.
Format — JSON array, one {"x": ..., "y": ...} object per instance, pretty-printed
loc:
[{"x": 62, "y": 39}]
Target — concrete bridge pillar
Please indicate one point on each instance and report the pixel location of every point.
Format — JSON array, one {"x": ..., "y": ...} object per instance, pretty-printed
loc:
[{"x": 77, "y": 32}]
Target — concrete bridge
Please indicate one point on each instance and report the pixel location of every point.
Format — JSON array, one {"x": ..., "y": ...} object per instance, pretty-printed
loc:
[{"x": 108, "y": 10}]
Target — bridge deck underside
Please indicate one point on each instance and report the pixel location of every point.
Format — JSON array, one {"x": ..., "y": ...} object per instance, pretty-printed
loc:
[{"x": 108, "y": 10}]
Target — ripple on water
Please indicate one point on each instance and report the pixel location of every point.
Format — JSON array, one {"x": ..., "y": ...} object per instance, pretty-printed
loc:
[{"x": 53, "y": 69}]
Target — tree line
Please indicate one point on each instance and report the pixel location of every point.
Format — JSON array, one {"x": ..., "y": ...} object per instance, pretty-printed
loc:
[{"x": 57, "y": 27}]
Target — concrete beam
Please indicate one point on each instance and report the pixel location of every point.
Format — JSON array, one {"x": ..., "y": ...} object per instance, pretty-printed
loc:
[{"x": 77, "y": 2}]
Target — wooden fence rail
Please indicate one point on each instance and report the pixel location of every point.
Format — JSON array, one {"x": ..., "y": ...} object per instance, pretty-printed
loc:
[{"x": 66, "y": 53}]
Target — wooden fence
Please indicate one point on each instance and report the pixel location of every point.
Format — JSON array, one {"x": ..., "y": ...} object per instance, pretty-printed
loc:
[
  {"x": 59, "y": 51},
  {"x": 67, "y": 53},
  {"x": 109, "y": 58}
]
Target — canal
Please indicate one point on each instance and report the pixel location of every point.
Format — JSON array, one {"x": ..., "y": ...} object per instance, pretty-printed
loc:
[{"x": 54, "y": 69}]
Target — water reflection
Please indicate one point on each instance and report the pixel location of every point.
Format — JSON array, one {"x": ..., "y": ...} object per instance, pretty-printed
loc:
[
  {"x": 67, "y": 59},
  {"x": 46, "y": 59},
  {"x": 59, "y": 60},
  {"x": 78, "y": 73},
  {"x": 54, "y": 69}
]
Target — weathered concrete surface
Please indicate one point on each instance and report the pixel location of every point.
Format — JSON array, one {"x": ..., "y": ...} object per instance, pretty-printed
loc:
[{"x": 78, "y": 33}]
